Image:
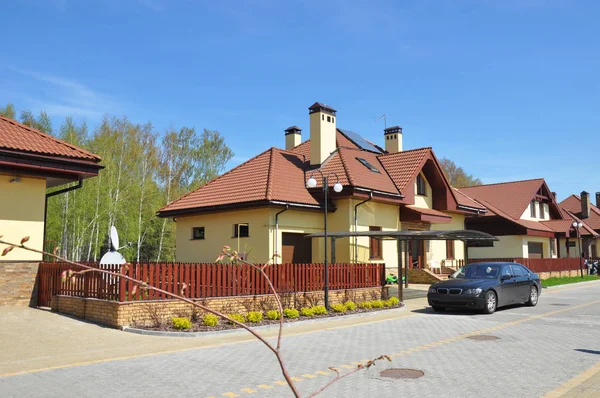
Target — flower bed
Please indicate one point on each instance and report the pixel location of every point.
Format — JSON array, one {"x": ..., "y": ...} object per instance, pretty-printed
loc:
[{"x": 209, "y": 322}]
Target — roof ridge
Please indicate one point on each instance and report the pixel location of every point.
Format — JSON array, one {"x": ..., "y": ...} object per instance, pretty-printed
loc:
[
  {"x": 408, "y": 150},
  {"x": 214, "y": 179},
  {"x": 51, "y": 137},
  {"x": 346, "y": 169},
  {"x": 505, "y": 182},
  {"x": 270, "y": 176},
  {"x": 388, "y": 174}
]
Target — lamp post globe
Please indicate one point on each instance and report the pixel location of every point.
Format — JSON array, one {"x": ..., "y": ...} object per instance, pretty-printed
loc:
[
  {"x": 311, "y": 183},
  {"x": 337, "y": 187}
]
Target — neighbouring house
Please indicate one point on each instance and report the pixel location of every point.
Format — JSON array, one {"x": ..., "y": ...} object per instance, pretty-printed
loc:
[
  {"x": 264, "y": 208},
  {"x": 526, "y": 219},
  {"x": 31, "y": 162},
  {"x": 580, "y": 209}
]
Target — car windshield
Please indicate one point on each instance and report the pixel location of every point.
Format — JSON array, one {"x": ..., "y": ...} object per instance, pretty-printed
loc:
[{"x": 478, "y": 271}]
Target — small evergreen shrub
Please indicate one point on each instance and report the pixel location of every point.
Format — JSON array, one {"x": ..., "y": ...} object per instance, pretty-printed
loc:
[
  {"x": 210, "y": 320},
  {"x": 237, "y": 317},
  {"x": 338, "y": 308},
  {"x": 350, "y": 305},
  {"x": 319, "y": 310},
  {"x": 305, "y": 311},
  {"x": 365, "y": 304},
  {"x": 255, "y": 316},
  {"x": 377, "y": 304},
  {"x": 291, "y": 313},
  {"x": 182, "y": 323},
  {"x": 393, "y": 301},
  {"x": 272, "y": 315}
]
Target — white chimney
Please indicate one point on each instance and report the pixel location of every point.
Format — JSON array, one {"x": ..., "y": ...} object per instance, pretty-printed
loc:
[
  {"x": 293, "y": 137},
  {"x": 393, "y": 139},
  {"x": 322, "y": 132}
]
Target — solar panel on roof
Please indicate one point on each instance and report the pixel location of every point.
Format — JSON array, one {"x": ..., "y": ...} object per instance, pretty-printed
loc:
[{"x": 360, "y": 141}]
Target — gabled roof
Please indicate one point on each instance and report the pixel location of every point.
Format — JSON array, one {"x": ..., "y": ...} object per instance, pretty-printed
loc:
[
  {"x": 17, "y": 137},
  {"x": 511, "y": 197},
  {"x": 573, "y": 205},
  {"x": 529, "y": 224},
  {"x": 273, "y": 176},
  {"x": 586, "y": 228},
  {"x": 464, "y": 200},
  {"x": 404, "y": 166}
]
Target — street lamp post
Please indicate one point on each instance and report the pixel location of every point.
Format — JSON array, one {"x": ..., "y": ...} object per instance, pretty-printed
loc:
[
  {"x": 337, "y": 187},
  {"x": 577, "y": 225}
]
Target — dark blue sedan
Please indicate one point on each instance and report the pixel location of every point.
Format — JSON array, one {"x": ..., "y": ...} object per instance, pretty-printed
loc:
[{"x": 486, "y": 286}]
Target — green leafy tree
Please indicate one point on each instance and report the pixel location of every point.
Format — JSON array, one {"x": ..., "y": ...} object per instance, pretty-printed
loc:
[
  {"x": 9, "y": 111},
  {"x": 457, "y": 176},
  {"x": 41, "y": 122}
]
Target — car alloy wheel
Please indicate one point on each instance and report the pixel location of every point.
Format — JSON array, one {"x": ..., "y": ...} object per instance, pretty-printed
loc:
[
  {"x": 533, "y": 296},
  {"x": 490, "y": 303}
]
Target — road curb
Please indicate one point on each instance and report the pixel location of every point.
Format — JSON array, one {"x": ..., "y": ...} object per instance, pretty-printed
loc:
[{"x": 258, "y": 328}]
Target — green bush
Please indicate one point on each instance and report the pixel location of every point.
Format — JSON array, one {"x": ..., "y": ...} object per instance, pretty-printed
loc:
[
  {"x": 305, "y": 311},
  {"x": 377, "y": 304},
  {"x": 393, "y": 301},
  {"x": 365, "y": 304},
  {"x": 291, "y": 313},
  {"x": 319, "y": 310},
  {"x": 350, "y": 305},
  {"x": 237, "y": 317},
  {"x": 272, "y": 315},
  {"x": 210, "y": 320},
  {"x": 182, "y": 323},
  {"x": 338, "y": 308},
  {"x": 255, "y": 316}
]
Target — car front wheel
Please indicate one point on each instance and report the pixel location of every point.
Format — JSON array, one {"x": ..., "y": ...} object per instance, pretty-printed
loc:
[
  {"x": 533, "y": 297},
  {"x": 491, "y": 303}
]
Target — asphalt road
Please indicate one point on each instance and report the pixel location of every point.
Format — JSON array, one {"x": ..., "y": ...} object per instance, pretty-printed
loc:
[{"x": 536, "y": 350}]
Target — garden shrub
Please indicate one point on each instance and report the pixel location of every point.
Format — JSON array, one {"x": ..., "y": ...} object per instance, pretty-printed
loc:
[
  {"x": 291, "y": 313},
  {"x": 338, "y": 308},
  {"x": 319, "y": 310},
  {"x": 237, "y": 317},
  {"x": 365, "y": 304},
  {"x": 255, "y": 316},
  {"x": 393, "y": 301},
  {"x": 272, "y": 315},
  {"x": 182, "y": 323},
  {"x": 377, "y": 304},
  {"x": 350, "y": 305},
  {"x": 210, "y": 320},
  {"x": 306, "y": 311}
]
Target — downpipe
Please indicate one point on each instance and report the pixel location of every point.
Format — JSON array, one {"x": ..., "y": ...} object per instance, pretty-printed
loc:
[{"x": 356, "y": 225}]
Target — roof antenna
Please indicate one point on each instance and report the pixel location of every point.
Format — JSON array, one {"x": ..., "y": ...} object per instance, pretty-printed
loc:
[{"x": 384, "y": 120}]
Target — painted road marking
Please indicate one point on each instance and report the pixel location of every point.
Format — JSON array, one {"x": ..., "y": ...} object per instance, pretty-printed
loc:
[
  {"x": 309, "y": 376},
  {"x": 574, "y": 382},
  {"x": 248, "y": 390},
  {"x": 264, "y": 386},
  {"x": 230, "y": 395}
]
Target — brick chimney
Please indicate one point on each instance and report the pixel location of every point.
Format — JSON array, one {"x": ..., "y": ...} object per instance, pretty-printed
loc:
[
  {"x": 585, "y": 205},
  {"x": 393, "y": 139},
  {"x": 293, "y": 137},
  {"x": 322, "y": 132}
]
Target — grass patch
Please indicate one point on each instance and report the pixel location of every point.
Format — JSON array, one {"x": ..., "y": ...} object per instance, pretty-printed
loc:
[{"x": 568, "y": 279}]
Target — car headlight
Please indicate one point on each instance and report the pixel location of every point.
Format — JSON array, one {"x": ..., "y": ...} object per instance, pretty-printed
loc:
[
  {"x": 472, "y": 292},
  {"x": 432, "y": 289}
]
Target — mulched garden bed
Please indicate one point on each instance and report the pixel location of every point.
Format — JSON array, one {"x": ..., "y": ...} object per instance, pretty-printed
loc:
[{"x": 197, "y": 325}]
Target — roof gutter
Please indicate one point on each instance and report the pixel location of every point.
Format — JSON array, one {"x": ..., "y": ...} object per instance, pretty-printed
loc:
[
  {"x": 374, "y": 191},
  {"x": 473, "y": 209},
  {"x": 356, "y": 225},
  {"x": 51, "y": 194}
]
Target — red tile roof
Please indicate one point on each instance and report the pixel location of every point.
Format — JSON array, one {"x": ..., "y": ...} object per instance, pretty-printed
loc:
[
  {"x": 529, "y": 224},
  {"x": 511, "y": 197},
  {"x": 464, "y": 200},
  {"x": 18, "y": 137},
  {"x": 403, "y": 166},
  {"x": 274, "y": 175},
  {"x": 573, "y": 204},
  {"x": 587, "y": 229}
]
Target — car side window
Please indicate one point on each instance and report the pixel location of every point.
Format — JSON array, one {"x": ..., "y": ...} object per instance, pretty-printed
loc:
[
  {"x": 506, "y": 270},
  {"x": 517, "y": 270},
  {"x": 524, "y": 270}
]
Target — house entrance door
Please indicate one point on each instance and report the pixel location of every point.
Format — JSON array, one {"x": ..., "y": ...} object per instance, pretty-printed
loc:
[
  {"x": 295, "y": 249},
  {"x": 416, "y": 249}
]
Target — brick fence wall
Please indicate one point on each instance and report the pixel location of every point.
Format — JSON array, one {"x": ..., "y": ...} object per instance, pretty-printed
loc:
[
  {"x": 17, "y": 283},
  {"x": 146, "y": 313}
]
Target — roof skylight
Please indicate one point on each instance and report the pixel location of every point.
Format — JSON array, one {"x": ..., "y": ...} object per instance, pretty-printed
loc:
[{"x": 368, "y": 165}]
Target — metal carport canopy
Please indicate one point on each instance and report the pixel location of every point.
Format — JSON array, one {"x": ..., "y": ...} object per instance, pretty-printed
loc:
[
  {"x": 406, "y": 236},
  {"x": 411, "y": 235}
]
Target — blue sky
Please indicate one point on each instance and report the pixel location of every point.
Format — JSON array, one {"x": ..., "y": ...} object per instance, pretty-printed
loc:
[{"x": 507, "y": 89}]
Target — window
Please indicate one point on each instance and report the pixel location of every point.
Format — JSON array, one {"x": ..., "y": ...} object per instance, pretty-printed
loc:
[
  {"x": 368, "y": 165},
  {"x": 322, "y": 117},
  {"x": 506, "y": 270},
  {"x": 517, "y": 271},
  {"x": 242, "y": 229},
  {"x": 375, "y": 252},
  {"x": 198, "y": 233},
  {"x": 329, "y": 119},
  {"x": 450, "y": 249},
  {"x": 332, "y": 119},
  {"x": 421, "y": 186},
  {"x": 480, "y": 243},
  {"x": 542, "y": 216},
  {"x": 523, "y": 270},
  {"x": 532, "y": 208}
]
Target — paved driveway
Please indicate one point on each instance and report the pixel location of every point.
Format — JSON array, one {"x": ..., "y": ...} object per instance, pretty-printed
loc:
[{"x": 538, "y": 350}]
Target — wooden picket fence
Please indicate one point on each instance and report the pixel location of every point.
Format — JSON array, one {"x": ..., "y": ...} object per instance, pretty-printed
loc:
[
  {"x": 198, "y": 280},
  {"x": 538, "y": 264}
]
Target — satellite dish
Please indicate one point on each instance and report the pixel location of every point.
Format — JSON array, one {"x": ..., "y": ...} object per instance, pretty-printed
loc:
[{"x": 114, "y": 239}]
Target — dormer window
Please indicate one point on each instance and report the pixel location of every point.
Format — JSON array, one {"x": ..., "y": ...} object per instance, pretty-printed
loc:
[
  {"x": 532, "y": 208},
  {"x": 542, "y": 213},
  {"x": 368, "y": 165},
  {"x": 421, "y": 186}
]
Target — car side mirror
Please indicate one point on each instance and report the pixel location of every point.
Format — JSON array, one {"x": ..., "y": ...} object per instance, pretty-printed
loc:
[
  {"x": 450, "y": 276},
  {"x": 506, "y": 277}
]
